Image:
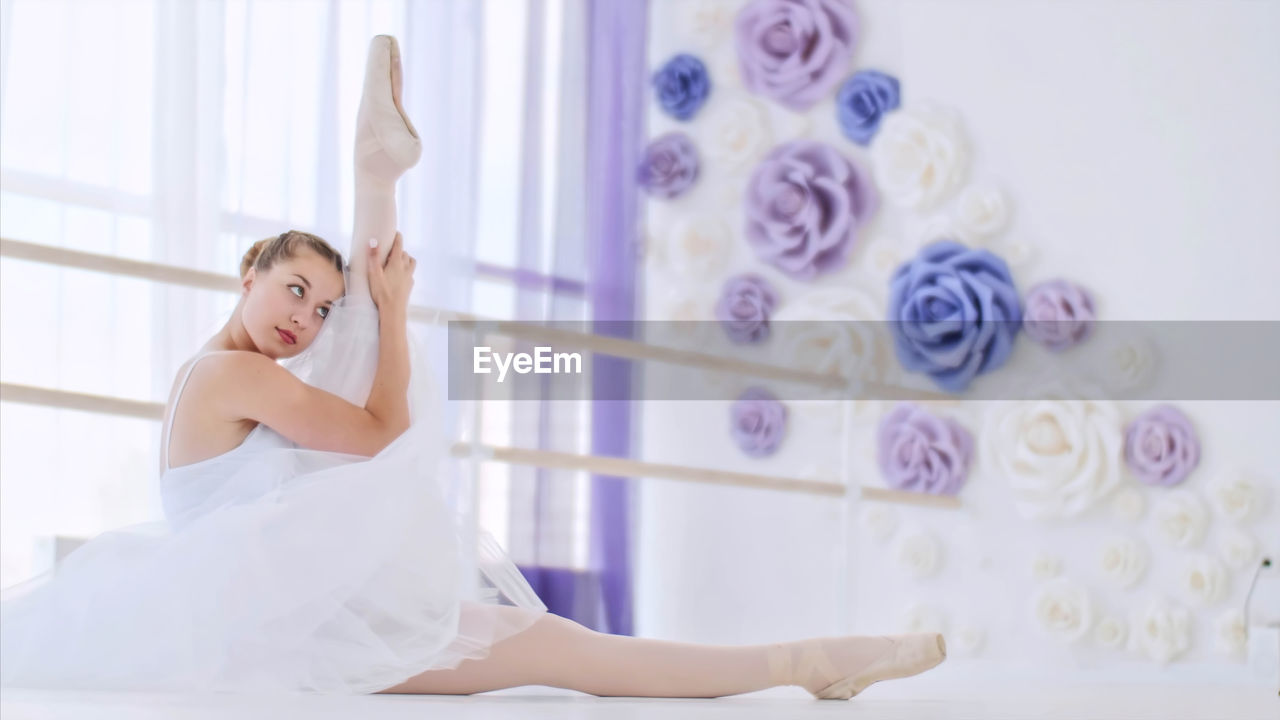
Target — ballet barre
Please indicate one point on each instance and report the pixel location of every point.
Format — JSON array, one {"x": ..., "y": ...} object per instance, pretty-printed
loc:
[{"x": 618, "y": 347}]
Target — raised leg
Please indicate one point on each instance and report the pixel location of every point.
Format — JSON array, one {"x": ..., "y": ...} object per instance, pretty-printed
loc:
[{"x": 386, "y": 146}]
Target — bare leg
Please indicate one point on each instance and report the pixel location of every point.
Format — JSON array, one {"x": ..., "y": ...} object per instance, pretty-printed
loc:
[{"x": 558, "y": 652}]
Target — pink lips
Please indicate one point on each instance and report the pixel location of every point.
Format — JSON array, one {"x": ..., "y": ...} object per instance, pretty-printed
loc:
[{"x": 287, "y": 336}]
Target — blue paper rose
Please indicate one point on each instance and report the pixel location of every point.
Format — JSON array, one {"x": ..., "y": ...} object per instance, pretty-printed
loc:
[
  {"x": 954, "y": 313},
  {"x": 862, "y": 102},
  {"x": 682, "y": 86}
]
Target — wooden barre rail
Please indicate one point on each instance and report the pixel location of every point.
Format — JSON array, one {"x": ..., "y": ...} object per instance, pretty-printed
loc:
[
  {"x": 552, "y": 460},
  {"x": 618, "y": 347}
]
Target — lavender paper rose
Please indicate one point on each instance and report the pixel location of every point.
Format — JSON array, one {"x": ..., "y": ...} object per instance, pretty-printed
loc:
[
  {"x": 758, "y": 422},
  {"x": 682, "y": 86},
  {"x": 669, "y": 166},
  {"x": 921, "y": 452},
  {"x": 953, "y": 313},
  {"x": 746, "y": 302},
  {"x": 862, "y": 102},
  {"x": 1058, "y": 314},
  {"x": 1161, "y": 446},
  {"x": 795, "y": 51},
  {"x": 805, "y": 204}
]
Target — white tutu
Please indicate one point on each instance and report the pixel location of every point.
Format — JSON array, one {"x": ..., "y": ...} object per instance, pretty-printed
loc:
[{"x": 278, "y": 568}]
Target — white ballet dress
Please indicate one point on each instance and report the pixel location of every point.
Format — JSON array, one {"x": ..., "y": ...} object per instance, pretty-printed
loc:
[{"x": 279, "y": 568}]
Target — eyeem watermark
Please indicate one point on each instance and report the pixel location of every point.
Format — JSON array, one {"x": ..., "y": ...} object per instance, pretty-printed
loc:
[{"x": 524, "y": 363}]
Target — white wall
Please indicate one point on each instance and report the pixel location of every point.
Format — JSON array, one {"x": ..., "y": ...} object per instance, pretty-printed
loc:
[{"x": 1136, "y": 141}]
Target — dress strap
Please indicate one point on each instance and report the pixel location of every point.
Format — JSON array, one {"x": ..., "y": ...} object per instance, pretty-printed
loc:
[{"x": 173, "y": 410}]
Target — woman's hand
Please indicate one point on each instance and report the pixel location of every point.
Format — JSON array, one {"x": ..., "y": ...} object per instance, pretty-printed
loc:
[{"x": 391, "y": 281}]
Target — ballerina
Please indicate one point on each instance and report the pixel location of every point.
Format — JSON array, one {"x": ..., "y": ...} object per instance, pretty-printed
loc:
[{"x": 306, "y": 545}]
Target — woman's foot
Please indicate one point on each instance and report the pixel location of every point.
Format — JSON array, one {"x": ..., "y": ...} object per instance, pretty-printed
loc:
[
  {"x": 839, "y": 668},
  {"x": 386, "y": 143}
]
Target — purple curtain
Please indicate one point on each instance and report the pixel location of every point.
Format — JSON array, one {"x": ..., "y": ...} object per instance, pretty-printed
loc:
[{"x": 597, "y": 241}]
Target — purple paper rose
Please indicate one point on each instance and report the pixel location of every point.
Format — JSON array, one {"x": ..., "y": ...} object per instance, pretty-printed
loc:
[
  {"x": 1058, "y": 314},
  {"x": 1161, "y": 446},
  {"x": 669, "y": 165},
  {"x": 795, "y": 51},
  {"x": 682, "y": 86},
  {"x": 758, "y": 422},
  {"x": 953, "y": 313},
  {"x": 805, "y": 204},
  {"x": 922, "y": 452},
  {"x": 746, "y": 302},
  {"x": 862, "y": 102}
]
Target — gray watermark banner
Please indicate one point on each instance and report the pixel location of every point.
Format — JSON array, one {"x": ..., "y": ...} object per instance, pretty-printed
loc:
[{"x": 866, "y": 360}]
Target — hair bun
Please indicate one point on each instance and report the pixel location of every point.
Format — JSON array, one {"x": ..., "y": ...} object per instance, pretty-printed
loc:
[{"x": 251, "y": 255}]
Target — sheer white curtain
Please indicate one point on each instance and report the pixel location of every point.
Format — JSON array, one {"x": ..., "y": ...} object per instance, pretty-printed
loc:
[{"x": 181, "y": 132}]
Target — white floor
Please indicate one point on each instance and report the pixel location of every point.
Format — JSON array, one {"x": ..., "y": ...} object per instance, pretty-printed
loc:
[{"x": 536, "y": 703}]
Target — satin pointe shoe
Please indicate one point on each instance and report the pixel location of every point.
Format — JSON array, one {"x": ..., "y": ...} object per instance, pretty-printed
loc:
[
  {"x": 902, "y": 656},
  {"x": 386, "y": 142}
]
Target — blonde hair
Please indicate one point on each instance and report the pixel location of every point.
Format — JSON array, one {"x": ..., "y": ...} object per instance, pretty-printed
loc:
[{"x": 266, "y": 253}]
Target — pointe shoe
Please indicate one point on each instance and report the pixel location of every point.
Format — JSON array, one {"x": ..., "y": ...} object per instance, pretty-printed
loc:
[
  {"x": 386, "y": 142},
  {"x": 909, "y": 655}
]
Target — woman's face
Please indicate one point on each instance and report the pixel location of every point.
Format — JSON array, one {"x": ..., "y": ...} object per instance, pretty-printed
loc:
[{"x": 286, "y": 305}]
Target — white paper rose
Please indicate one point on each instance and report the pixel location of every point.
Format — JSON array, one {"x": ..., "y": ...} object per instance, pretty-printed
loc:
[
  {"x": 967, "y": 640},
  {"x": 708, "y": 21},
  {"x": 880, "y": 521},
  {"x": 981, "y": 212},
  {"x": 1238, "y": 495},
  {"x": 1238, "y": 549},
  {"x": 733, "y": 133},
  {"x": 1110, "y": 632},
  {"x": 919, "y": 554},
  {"x": 1129, "y": 504},
  {"x": 1059, "y": 456},
  {"x": 1045, "y": 566},
  {"x": 832, "y": 330},
  {"x": 1124, "y": 561},
  {"x": 1120, "y": 358},
  {"x": 923, "y": 617},
  {"x": 1162, "y": 631},
  {"x": 1204, "y": 580},
  {"x": 1062, "y": 610},
  {"x": 1016, "y": 252},
  {"x": 1180, "y": 518},
  {"x": 919, "y": 156},
  {"x": 1229, "y": 634},
  {"x": 696, "y": 246}
]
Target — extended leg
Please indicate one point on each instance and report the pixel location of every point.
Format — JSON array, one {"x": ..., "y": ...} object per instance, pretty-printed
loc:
[
  {"x": 386, "y": 146},
  {"x": 558, "y": 652}
]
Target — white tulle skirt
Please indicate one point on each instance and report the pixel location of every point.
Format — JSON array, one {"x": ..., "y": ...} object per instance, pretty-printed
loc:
[{"x": 278, "y": 568}]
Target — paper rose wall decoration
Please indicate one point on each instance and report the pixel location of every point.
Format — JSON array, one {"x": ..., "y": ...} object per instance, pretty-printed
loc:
[
  {"x": 1238, "y": 495},
  {"x": 954, "y": 313},
  {"x": 1237, "y": 548},
  {"x": 922, "y": 452},
  {"x": 795, "y": 51},
  {"x": 1110, "y": 632},
  {"x": 1162, "y": 631},
  {"x": 1230, "y": 636},
  {"x": 746, "y": 302},
  {"x": 1063, "y": 610},
  {"x": 1203, "y": 579},
  {"x": 682, "y": 86},
  {"x": 805, "y": 205},
  {"x": 733, "y": 132},
  {"x": 1045, "y": 566},
  {"x": 758, "y": 422},
  {"x": 830, "y": 330},
  {"x": 1128, "y": 504},
  {"x": 863, "y": 101},
  {"x": 695, "y": 246},
  {"x": 1180, "y": 518},
  {"x": 919, "y": 157},
  {"x": 981, "y": 212},
  {"x": 669, "y": 166},
  {"x": 1161, "y": 446},
  {"x": 919, "y": 554},
  {"x": 1124, "y": 561},
  {"x": 923, "y": 617},
  {"x": 1060, "y": 457},
  {"x": 1058, "y": 314}
]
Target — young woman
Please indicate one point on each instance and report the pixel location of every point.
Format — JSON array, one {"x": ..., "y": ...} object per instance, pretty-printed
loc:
[{"x": 306, "y": 544}]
